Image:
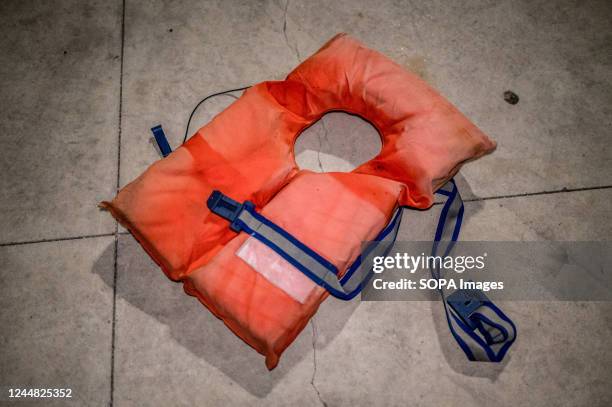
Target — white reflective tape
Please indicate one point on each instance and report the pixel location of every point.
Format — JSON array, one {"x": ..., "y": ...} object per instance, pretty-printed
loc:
[{"x": 276, "y": 269}]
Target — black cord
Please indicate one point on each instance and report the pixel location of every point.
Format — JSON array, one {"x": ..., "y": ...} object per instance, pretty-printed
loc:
[{"x": 204, "y": 100}]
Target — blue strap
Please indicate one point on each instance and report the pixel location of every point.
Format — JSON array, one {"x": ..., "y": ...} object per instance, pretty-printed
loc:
[
  {"x": 162, "y": 141},
  {"x": 244, "y": 217},
  {"x": 481, "y": 329}
]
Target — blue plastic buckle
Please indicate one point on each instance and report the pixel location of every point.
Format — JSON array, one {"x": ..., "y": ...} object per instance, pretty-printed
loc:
[
  {"x": 227, "y": 208},
  {"x": 466, "y": 302}
]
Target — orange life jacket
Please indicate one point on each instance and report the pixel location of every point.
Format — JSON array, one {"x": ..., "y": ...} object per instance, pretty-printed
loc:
[{"x": 246, "y": 152}]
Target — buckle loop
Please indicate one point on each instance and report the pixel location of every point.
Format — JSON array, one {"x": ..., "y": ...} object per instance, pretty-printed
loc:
[
  {"x": 227, "y": 208},
  {"x": 465, "y": 302}
]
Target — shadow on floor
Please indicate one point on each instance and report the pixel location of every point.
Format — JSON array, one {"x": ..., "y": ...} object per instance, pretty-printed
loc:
[
  {"x": 142, "y": 285},
  {"x": 452, "y": 352}
]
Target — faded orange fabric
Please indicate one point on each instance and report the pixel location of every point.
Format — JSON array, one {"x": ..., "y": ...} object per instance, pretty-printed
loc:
[{"x": 246, "y": 152}]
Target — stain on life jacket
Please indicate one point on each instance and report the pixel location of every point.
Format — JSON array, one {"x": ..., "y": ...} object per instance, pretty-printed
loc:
[{"x": 246, "y": 152}]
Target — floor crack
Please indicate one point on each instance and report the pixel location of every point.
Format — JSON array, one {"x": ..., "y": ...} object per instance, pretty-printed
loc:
[
  {"x": 325, "y": 136},
  {"x": 294, "y": 47},
  {"x": 314, "y": 363},
  {"x": 319, "y": 152},
  {"x": 325, "y": 132}
]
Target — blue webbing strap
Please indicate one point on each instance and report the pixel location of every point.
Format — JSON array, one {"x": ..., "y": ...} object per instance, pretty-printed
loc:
[
  {"x": 481, "y": 329},
  {"x": 162, "y": 141},
  {"x": 243, "y": 217}
]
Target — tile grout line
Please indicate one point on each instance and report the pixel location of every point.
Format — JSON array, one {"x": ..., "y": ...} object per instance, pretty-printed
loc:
[
  {"x": 118, "y": 184},
  {"x": 525, "y": 194},
  {"x": 114, "y": 307},
  {"x": 488, "y": 198},
  {"x": 528, "y": 194},
  {"x": 58, "y": 239}
]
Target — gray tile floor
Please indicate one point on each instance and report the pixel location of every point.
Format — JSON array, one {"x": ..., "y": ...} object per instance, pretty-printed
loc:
[{"x": 82, "y": 306}]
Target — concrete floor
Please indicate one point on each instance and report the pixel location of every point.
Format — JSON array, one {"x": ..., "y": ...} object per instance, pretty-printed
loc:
[{"x": 82, "y": 306}]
